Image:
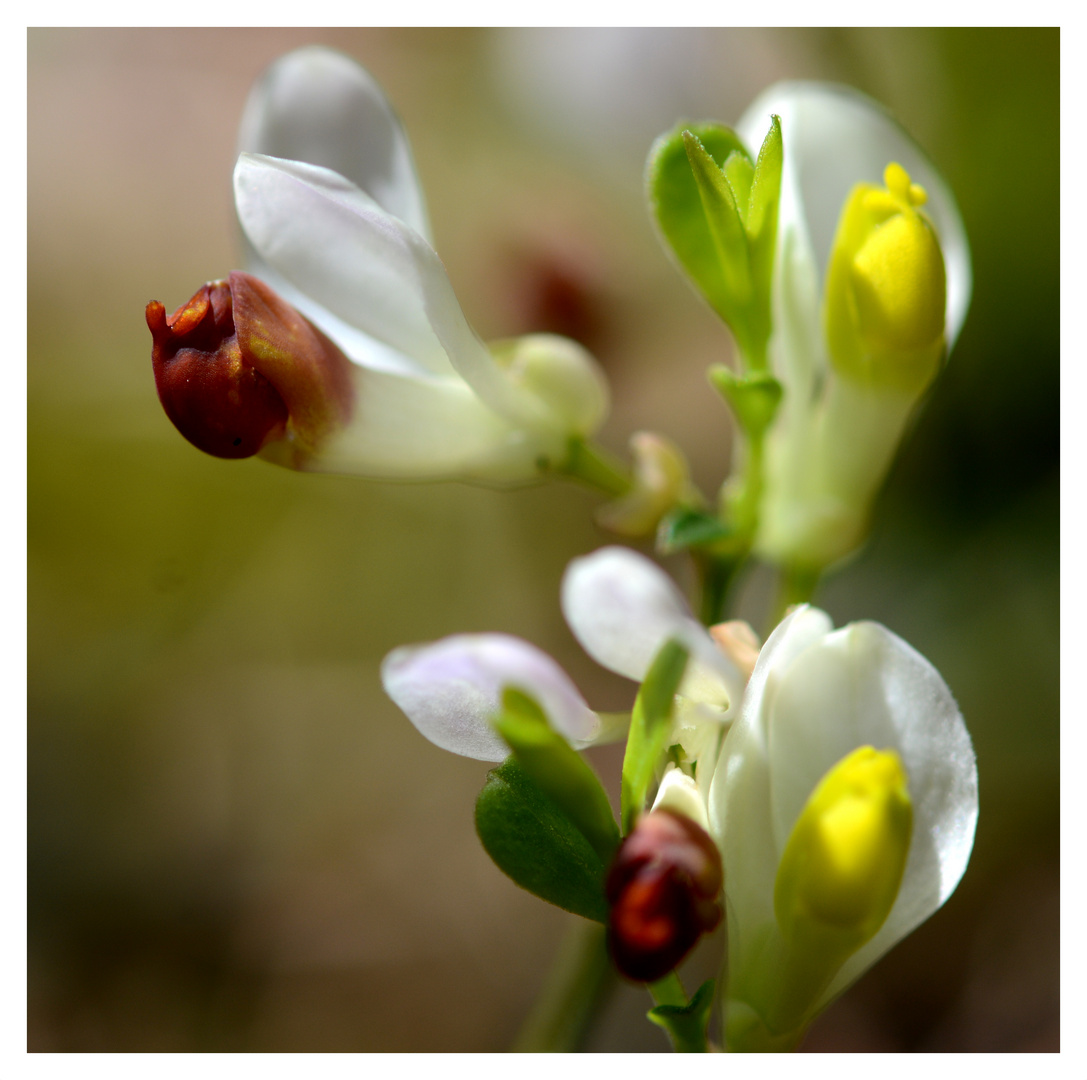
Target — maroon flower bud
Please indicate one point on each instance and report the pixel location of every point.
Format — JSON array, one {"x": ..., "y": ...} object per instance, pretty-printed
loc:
[
  {"x": 237, "y": 369},
  {"x": 662, "y": 888}
]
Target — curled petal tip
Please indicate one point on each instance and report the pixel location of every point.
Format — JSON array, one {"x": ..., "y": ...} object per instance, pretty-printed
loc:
[{"x": 238, "y": 369}]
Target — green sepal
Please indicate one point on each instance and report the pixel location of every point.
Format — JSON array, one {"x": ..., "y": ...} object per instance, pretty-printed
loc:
[
  {"x": 533, "y": 842},
  {"x": 689, "y": 528},
  {"x": 754, "y": 398},
  {"x": 687, "y": 1025},
  {"x": 649, "y": 727},
  {"x": 558, "y": 771}
]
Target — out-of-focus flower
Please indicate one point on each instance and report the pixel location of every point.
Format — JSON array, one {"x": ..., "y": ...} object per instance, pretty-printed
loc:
[
  {"x": 871, "y": 286},
  {"x": 844, "y": 804},
  {"x": 334, "y": 220},
  {"x": 239, "y": 371},
  {"x": 661, "y": 481}
]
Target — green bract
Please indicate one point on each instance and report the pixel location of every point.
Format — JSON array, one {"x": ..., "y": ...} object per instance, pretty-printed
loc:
[
  {"x": 532, "y": 840},
  {"x": 649, "y": 727},
  {"x": 558, "y": 771},
  {"x": 718, "y": 213}
]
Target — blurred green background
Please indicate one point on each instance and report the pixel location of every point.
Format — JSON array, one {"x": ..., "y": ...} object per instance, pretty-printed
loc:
[{"x": 235, "y": 841}]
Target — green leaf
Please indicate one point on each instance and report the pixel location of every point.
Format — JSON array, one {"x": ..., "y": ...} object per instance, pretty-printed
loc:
[
  {"x": 676, "y": 203},
  {"x": 762, "y": 214},
  {"x": 739, "y": 172},
  {"x": 649, "y": 727},
  {"x": 533, "y": 842},
  {"x": 725, "y": 225},
  {"x": 558, "y": 771},
  {"x": 688, "y": 528},
  {"x": 754, "y": 398},
  {"x": 687, "y": 1025}
]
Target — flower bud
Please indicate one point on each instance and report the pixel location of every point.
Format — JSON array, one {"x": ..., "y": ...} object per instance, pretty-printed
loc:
[
  {"x": 661, "y": 481},
  {"x": 843, "y": 864},
  {"x": 560, "y": 376},
  {"x": 240, "y": 372},
  {"x": 886, "y": 294},
  {"x": 662, "y": 888}
]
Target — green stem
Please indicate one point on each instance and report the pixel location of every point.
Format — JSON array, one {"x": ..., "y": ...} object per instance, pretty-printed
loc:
[
  {"x": 596, "y": 467},
  {"x": 797, "y": 585},
  {"x": 717, "y": 573},
  {"x": 668, "y": 991},
  {"x": 575, "y": 989}
]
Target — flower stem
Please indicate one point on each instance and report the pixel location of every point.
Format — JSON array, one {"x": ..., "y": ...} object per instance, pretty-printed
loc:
[
  {"x": 580, "y": 980},
  {"x": 797, "y": 585},
  {"x": 596, "y": 467}
]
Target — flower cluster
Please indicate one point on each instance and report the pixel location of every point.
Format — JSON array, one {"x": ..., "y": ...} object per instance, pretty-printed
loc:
[
  {"x": 817, "y": 791},
  {"x": 821, "y": 877}
]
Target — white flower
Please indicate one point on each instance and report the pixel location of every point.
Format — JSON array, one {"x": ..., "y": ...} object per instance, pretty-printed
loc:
[
  {"x": 836, "y": 433},
  {"x": 335, "y": 221},
  {"x": 622, "y": 608},
  {"x": 815, "y": 696},
  {"x": 817, "y": 700}
]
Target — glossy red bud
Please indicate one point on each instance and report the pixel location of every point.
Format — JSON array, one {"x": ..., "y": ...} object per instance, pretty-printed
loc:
[
  {"x": 662, "y": 887},
  {"x": 238, "y": 369}
]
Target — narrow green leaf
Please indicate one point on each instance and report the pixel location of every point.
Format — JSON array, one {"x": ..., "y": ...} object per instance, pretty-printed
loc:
[
  {"x": 726, "y": 228},
  {"x": 649, "y": 727},
  {"x": 558, "y": 771},
  {"x": 765, "y": 196},
  {"x": 688, "y": 528},
  {"x": 677, "y": 205},
  {"x": 739, "y": 172},
  {"x": 754, "y": 398},
  {"x": 533, "y": 842},
  {"x": 687, "y": 1025}
]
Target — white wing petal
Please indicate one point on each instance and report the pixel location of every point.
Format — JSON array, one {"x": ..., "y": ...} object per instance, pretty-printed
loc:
[
  {"x": 862, "y": 685},
  {"x": 451, "y": 691},
  {"x": 318, "y": 106},
  {"x": 622, "y": 608}
]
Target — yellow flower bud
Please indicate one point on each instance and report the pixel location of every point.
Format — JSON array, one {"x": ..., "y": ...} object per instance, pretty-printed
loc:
[
  {"x": 886, "y": 293},
  {"x": 843, "y": 864}
]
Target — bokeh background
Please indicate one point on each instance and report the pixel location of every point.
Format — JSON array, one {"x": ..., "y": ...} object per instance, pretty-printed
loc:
[{"x": 235, "y": 841}]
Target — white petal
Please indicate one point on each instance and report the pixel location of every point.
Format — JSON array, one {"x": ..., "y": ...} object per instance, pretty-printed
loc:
[
  {"x": 365, "y": 350},
  {"x": 318, "y": 106},
  {"x": 740, "y": 792},
  {"x": 336, "y": 245},
  {"x": 834, "y": 138},
  {"x": 427, "y": 428},
  {"x": 862, "y": 685},
  {"x": 622, "y": 608},
  {"x": 451, "y": 691}
]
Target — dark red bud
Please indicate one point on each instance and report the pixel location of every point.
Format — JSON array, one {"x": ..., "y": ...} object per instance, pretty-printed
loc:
[
  {"x": 662, "y": 887},
  {"x": 238, "y": 368}
]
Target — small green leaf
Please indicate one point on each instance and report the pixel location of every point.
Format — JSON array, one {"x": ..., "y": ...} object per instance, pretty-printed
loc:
[
  {"x": 761, "y": 217},
  {"x": 740, "y": 172},
  {"x": 725, "y": 225},
  {"x": 754, "y": 398},
  {"x": 677, "y": 205},
  {"x": 688, "y": 528},
  {"x": 687, "y": 1025},
  {"x": 533, "y": 842},
  {"x": 558, "y": 771},
  {"x": 649, "y": 727}
]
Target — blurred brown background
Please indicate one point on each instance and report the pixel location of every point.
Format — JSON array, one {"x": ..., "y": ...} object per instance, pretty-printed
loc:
[{"x": 235, "y": 841}]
